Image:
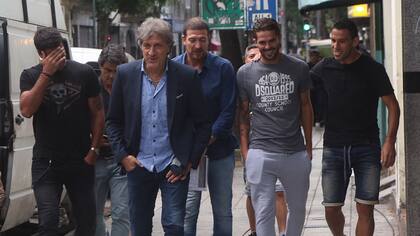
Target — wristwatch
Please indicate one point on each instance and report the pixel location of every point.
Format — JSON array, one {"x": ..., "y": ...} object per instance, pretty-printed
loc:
[{"x": 96, "y": 150}]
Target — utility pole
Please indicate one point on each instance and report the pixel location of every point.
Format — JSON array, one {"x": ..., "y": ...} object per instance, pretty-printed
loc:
[
  {"x": 283, "y": 26},
  {"x": 318, "y": 24},
  {"x": 411, "y": 72},
  {"x": 95, "y": 28}
]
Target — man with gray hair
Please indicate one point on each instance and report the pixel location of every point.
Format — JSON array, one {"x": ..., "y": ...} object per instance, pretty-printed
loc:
[
  {"x": 158, "y": 129},
  {"x": 109, "y": 177}
]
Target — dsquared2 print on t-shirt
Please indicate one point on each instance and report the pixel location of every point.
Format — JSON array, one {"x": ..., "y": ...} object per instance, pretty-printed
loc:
[{"x": 272, "y": 91}]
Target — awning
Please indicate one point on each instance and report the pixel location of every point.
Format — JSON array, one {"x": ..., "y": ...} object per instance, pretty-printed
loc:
[{"x": 310, "y": 5}]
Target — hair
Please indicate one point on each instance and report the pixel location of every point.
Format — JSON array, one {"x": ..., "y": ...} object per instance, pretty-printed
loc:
[
  {"x": 155, "y": 26},
  {"x": 114, "y": 54},
  {"x": 47, "y": 38},
  {"x": 314, "y": 51},
  {"x": 95, "y": 67},
  {"x": 265, "y": 24},
  {"x": 349, "y": 25},
  {"x": 247, "y": 49},
  {"x": 196, "y": 23}
]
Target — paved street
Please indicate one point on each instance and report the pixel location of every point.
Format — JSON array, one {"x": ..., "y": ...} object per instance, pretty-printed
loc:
[{"x": 315, "y": 224}]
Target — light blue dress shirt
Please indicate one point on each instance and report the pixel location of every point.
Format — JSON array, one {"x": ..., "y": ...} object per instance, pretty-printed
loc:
[{"x": 155, "y": 149}]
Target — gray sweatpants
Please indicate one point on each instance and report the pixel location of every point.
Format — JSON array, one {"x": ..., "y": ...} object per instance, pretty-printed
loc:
[{"x": 293, "y": 169}]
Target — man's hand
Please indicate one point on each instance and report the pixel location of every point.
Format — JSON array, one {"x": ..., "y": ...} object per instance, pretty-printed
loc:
[
  {"x": 53, "y": 61},
  {"x": 172, "y": 178},
  {"x": 90, "y": 158},
  {"x": 212, "y": 140},
  {"x": 388, "y": 154},
  {"x": 130, "y": 162},
  {"x": 244, "y": 127},
  {"x": 307, "y": 120},
  {"x": 388, "y": 149},
  {"x": 31, "y": 100},
  {"x": 104, "y": 141},
  {"x": 244, "y": 153},
  {"x": 309, "y": 151}
]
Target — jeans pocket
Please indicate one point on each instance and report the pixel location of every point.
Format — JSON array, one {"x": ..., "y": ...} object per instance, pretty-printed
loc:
[
  {"x": 308, "y": 161},
  {"x": 39, "y": 169},
  {"x": 130, "y": 171},
  {"x": 304, "y": 158},
  {"x": 120, "y": 171},
  {"x": 254, "y": 166}
]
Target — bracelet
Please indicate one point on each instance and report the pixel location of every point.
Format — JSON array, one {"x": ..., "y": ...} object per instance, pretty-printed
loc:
[{"x": 46, "y": 74}]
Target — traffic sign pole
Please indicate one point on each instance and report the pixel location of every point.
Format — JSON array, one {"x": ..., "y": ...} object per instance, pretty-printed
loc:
[{"x": 283, "y": 26}]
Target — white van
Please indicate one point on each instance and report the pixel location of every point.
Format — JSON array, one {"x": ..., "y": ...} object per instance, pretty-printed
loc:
[
  {"x": 84, "y": 55},
  {"x": 19, "y": 20}
]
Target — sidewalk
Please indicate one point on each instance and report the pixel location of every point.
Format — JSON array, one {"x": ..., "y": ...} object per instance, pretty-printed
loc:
[
  {"x": 386, "y": 223},
  {"x": 315, "y": 224}
]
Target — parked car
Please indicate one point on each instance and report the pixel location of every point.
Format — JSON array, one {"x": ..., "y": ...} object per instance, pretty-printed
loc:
[{"x": 90, "y": 56}]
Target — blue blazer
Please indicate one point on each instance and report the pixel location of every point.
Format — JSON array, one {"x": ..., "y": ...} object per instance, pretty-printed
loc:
[{"x": 188, "y": 123}]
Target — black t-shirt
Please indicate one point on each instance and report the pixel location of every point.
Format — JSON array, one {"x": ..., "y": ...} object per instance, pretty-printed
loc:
[
  {"x": 62, "y": 122},
  {"x": 353, "y": 91}
]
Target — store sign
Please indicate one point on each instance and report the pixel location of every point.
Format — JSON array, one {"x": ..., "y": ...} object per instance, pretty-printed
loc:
[
  {"x": 357, "y": 11},
  {"x": 223, "y": 14}
]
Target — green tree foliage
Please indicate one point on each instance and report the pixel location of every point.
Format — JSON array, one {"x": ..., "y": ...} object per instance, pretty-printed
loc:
[
  {"x": 131, "y": 7},
  {"x": 294, "y": 24},
  {"x": 140, "y": 8}
]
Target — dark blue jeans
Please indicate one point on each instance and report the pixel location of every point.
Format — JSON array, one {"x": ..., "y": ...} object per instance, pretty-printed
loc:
[
  {"x": 220, "y": 177},
  {"x": 48, "y": 178},
  {"x": 337, "y": 166},
  {"x": 142, "y": 190}
]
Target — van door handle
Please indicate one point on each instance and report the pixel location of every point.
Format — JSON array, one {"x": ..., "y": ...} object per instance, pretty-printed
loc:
[{"x": 19, "y": 119}]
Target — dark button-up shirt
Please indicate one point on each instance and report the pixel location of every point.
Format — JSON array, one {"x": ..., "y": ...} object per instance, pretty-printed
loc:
[{"x": 218, "y": 80}]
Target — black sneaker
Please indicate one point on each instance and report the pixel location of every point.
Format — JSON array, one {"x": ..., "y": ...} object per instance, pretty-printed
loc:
[{"x": 253, "y": 234}]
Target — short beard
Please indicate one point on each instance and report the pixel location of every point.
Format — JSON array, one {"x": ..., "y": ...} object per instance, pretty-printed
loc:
[
  {"x": 344, "y": 56},
  {"x": 275, "y": 55}
]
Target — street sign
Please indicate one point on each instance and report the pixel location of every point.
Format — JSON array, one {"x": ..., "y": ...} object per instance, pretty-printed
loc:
[
  {"x": 260, "y": 9},
  {"x": 223, "y": 14}
]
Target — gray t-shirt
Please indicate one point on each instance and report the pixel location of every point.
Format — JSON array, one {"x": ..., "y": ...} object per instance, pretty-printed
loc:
[{"x": 273, "y": 91}]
